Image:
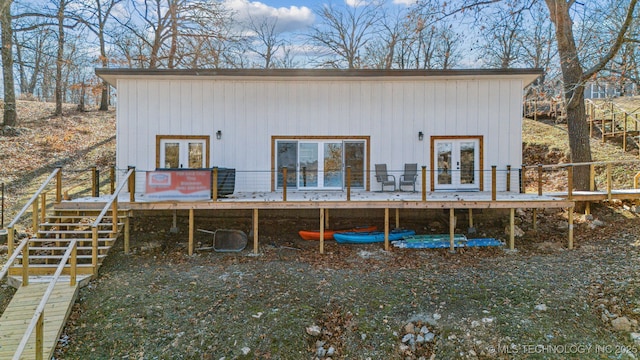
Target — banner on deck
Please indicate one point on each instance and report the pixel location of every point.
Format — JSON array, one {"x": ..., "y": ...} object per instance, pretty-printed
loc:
[{"x": 188, "y": 185}]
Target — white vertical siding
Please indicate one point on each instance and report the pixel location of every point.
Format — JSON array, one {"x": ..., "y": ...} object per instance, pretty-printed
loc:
[{"x": 249, "y": 112}]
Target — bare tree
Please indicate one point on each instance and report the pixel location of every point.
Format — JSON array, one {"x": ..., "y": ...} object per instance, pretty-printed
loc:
[
  {"x": 95, "y": 15},
  {"x": 345, "y": 31},
  {"x": 10, "y": 117},
  {"x": 502, "y": 31},
  {"x": 266, "y": 40}
]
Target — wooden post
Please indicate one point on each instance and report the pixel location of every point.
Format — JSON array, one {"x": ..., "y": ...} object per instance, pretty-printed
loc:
[
  {"x": 493, "y": 183},
  {"x": 114, "y": 217},
  {"x": 25, "y": 264},
  {"x": 592, "y": 177},
  {"x": 470, "y": 218},
  {"x": 255, "y": 231},
  {"x": 191, "y": 226},
  {"x": 43, "y": 208},
  {"x": 10, "y": 236},
  {"x": 284, "y": 183},
  {"x": 59, "y": 186},
  {"x": 424, "y": 183},
  {"x": 512, "y": 234},
  {"x": 609, "y": 181},
  {"x": 112, "y": 179},
  {"x": 508, "y": 178},
  {"x": 326, "y": 218},
  {"x": 34, "y": 217},
  {"x": 571, "y": 228},
  {"x": 452, "y": 229},
  {"x": 40, "y": 337},
  {"x": 397, "y": 218},
  {"x": 321, "y": 231},
  {"x": 624, "y": 133},
  {"x": 523, "y": 178},
  {"x": 73, "y": 263},
  {"x": 386, "y": 229},
  {"x": 539, "y": 179},
  {"x": 94, "y": 181},
  {"x": 127, "y": 232},
  {"x": 613, "y": 122},
  {"x": 349, "y": 183},
  {"x": 132, "y": 185},
  {"x": 94, "y": 249},
  {"x": 214, "y": 184},
  {"x": 570, "y": 182}
]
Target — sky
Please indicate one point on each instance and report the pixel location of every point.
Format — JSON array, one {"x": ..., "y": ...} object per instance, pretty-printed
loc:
[{"x": 292, "y": 15}]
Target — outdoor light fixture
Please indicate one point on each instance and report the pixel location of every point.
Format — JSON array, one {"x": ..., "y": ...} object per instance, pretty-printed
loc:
[
  {"x": 219, "y": 134},
  {"x": 420, "y": 136}
]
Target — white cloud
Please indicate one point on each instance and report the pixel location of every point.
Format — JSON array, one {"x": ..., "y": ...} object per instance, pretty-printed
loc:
[
  {"x": 355, "y": 3},
  {"x": 289, "y": 18},
  {"x": 404, "y": 2}
]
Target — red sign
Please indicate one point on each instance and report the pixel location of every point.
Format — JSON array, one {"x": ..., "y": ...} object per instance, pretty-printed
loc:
[{"x": 178, "y": 185}]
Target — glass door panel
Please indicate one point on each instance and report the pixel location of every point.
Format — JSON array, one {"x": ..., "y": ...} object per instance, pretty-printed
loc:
[
  {"x": 467, "y": 163},
  {"x": 171, "y": 155},
  {"x": 354, "y": 157},
  {"x": 287, "y": 157},
  {"x": 308, "y": 162},
  {"x": 196, "y": 152},
  {"x": 444, "y": 160},
  {"x": 332, "y": 165}
]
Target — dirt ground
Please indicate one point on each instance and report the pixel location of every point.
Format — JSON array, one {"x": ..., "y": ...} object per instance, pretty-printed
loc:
[{"x": 359, "y": 301}]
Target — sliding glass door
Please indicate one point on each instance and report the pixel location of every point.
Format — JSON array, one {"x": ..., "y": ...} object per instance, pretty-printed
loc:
[{"x": 321, "y": 164}]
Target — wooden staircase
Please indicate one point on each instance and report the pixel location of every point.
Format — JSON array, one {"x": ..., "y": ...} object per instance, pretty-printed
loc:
[{"x": 51, "y": 240}]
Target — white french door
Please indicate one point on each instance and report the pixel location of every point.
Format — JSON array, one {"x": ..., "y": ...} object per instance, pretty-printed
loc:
[
  {"x": 457, "y": 164},
  {"x": 182, "y": 153}
]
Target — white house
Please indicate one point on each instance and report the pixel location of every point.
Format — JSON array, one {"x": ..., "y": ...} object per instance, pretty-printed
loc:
[{"x": 457, "y": 123}]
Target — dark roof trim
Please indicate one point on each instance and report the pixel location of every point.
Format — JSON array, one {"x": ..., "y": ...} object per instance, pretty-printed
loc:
[{"x": 112, "y": 74}]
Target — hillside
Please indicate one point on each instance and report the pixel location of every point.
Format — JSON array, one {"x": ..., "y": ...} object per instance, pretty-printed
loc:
[{"x": 477, "y": 303}]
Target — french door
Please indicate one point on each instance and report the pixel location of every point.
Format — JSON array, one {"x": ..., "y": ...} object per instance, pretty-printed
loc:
[
  {"x": 457, "y": 164},
  {"x": 182, "y": 153},
  {"x": 321, "y": 164}
]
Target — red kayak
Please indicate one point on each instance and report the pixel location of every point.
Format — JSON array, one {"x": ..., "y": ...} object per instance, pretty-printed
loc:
[{"x": 328, "y": 234}]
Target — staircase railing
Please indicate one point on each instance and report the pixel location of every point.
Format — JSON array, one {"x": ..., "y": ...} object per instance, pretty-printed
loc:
[
  {"x": 37, "y": 321},
  {"x": 5, "y": 269},
  {"x": 113, "y": 204},
  {"x": 34, "y": 202}
]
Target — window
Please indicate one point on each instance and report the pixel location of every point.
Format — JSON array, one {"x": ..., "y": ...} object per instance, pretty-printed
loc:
[
  {"x": 182, "y": 152},
  {"x": 457, "y": 162}
]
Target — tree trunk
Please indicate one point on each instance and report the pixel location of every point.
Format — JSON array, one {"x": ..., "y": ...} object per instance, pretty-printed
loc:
[
  {"x": 60, "y": 58},
  {"x": 572, "y": 75},
  {"x": 10, "y": 117}
]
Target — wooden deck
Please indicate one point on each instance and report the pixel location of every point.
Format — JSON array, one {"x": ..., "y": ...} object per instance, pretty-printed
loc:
[{"x": 18, "y": 314}]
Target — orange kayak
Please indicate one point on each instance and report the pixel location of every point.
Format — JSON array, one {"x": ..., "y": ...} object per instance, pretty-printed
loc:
[{"x": 328, "y": 233}]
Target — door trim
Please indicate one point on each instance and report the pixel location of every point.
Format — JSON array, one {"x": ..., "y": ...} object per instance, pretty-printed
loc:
[{"x": 468, "y": 137}]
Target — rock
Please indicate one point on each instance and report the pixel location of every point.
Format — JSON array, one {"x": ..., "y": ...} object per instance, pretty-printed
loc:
[
  {"x": 331, "y": 351},
  {"x": 541, "y": 307},
  {"x": 363, "y": 336},
  {"x": 429, "y": 337},
  {"x": 409, "y": 338},
  {"x": 436, "y": 316},
  {"x": 403, "y": 349},
  {"x": 245, "y": 350},
  {"x": 588, "y": 217},
  {"x": 487, "y": 320},
  {"x": 314, "y": 330},
  {"x": 409, "y": 328},
  {"x": 320, "y": 343},
  {"x": 596, "y": 223},
  {"x": 424, "y": 330},
  {"x": 635, "y": 337},
  {"x": 475, "y": 324},
  {"x": 419, "y": 339},
  {"x": 321, "y": 352},
  {"x": 621, "y": 324}
]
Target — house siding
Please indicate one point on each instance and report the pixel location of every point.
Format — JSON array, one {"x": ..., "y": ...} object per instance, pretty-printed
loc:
[{"x": 249, "y": 112}]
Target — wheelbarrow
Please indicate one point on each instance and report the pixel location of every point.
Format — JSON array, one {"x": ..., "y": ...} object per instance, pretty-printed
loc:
[{"x": 226, "y": 240}]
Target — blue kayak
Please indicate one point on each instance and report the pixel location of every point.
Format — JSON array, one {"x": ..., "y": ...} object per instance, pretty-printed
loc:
[
  {"x": 411, "y": 243},
  {"x": 370, "y": 237}
]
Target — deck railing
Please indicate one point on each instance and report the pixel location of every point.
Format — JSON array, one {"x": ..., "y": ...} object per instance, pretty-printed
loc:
[
  {"x": 112, "y": 203},
  {"x": 37, "y": 321}
]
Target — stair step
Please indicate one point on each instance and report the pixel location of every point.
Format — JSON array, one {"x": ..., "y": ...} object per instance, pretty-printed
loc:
[
  {"x": 64, "y": 248},
  {"x": 66, "y": 217},
  {"x": 67, "y": 232},
  {"x": 78, "y": 224},
  {"x": 50, "y": 240},
  {"x": 40, "y": 257}
]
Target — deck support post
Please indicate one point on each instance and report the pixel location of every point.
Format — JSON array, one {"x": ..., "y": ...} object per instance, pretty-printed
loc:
[
  {"x": 397, "y": 218},
  {"x": 127, "y": 232},
  {"x": 493, "y": 183},
  {"x": 112, "y": 179},
  {"x": 191, "y": 226},
  {"x": 452, "y": 229},
  {"x": 424, "y": 183},
  {"x": 214, "y": 184},
  {"x": 386, "y": 229},
  {"x": 255, "y": 231},
  {"x": 512, "y": 234},
  {"x": 59, "y": 186},
  {"x": 523, "y": 179},
  {"x": 132, "y": 184},
  {"x": 114, "y": 218},
  {"x": 539, "y": 179},
  {"x": 470, "y": 218},
  {"x": 322, "y": 230},
  {"x": 570, "y": 228}
]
